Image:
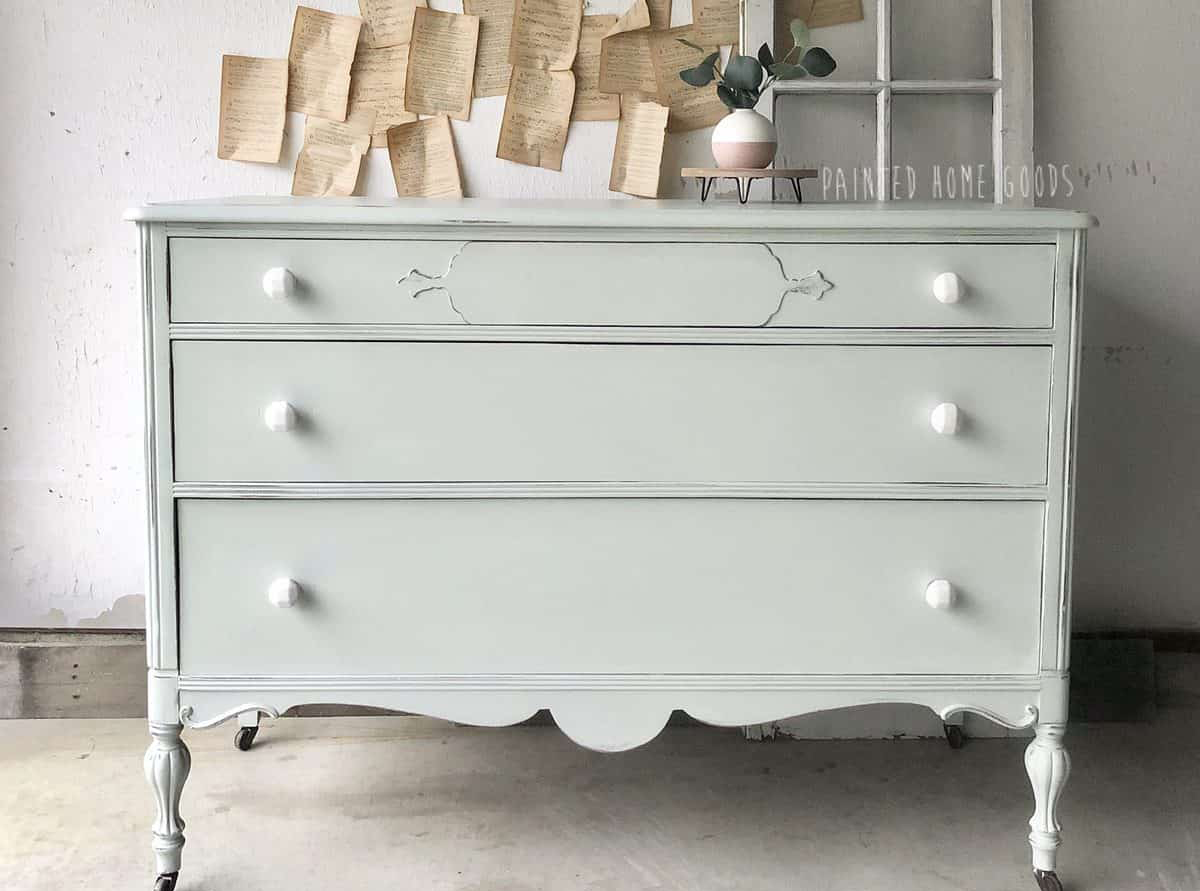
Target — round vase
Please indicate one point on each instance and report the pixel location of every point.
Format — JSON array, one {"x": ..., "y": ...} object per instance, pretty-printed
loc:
[{"x": 744, "y": 138}]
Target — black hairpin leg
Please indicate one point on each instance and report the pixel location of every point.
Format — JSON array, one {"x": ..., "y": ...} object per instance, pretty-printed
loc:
[
  {"x": 743, "y": 187},
  {"x": 705, "y": 185},
  {"x": 796, "y": 187}
]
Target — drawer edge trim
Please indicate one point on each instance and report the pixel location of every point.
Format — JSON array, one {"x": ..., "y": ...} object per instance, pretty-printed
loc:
[
  {"x": 474, "y": 490},
  {"x": 699, "y": 334}
]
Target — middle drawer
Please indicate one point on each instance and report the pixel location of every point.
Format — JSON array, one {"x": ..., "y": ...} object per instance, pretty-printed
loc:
[{"x": 363, "y": 412}]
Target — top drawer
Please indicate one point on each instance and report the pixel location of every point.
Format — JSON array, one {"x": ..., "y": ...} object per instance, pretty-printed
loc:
[{"x": 1000, "y": 285}]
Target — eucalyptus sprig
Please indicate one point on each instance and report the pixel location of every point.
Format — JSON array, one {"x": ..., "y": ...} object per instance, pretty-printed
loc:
[{"x": 741, "y": 84}]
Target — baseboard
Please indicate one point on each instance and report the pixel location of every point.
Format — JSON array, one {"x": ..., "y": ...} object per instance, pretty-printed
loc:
[
  {"x": 85, "y": 673},
  {"x": 76, "y": 673}
]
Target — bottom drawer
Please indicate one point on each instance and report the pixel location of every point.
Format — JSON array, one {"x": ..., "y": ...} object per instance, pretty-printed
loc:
[{"x": 608, "y": 586}]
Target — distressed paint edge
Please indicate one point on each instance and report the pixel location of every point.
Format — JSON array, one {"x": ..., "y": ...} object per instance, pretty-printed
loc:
[{"x": 161, "y": 643}]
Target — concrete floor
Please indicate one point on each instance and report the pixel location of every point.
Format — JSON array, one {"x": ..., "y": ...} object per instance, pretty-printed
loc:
[{"x": 410, "y": 803}]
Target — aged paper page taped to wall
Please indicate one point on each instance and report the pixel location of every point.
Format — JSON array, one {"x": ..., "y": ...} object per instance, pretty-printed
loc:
[
  {"x": 537, "y": 115},
  {"x": 717, "y": 22},
  {"x": 785, "y": 11},
  {"x": 377, "y": 82},
  {"x": 424, "y": 163},
  {"x": 441, "y": 64},
  {"x": 253, "y": 109},
  {"x": 692, "y": 108},
  {"x": 637, "y": 156},
  {"x": 590, "y": 103},
  {"x": 834, "y": 12},
  {"x": 331, "y": 155},
  {"x": 319, "y": 62},
  {"x": 492, "y": 70},
  {"x": 545, "y": 34},
  {"x": 660, "y": 14},
  {"x": 387, "y": 22},
  {"x": 625, "y": 64}
]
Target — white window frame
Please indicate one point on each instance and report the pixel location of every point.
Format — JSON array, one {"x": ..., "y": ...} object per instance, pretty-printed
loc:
[{"x": 1010, "y": 86}]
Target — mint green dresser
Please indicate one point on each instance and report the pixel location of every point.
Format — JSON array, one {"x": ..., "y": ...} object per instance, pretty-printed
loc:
[{"x": 476, "y": 459}]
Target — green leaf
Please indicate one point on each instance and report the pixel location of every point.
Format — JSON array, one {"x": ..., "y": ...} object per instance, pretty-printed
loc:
[
  {"x": 818, "y": 62},
  {"x": 726, "y": 95},
  {"x": 700, "y": 76},
  {"x": 743, "y": 73},
  {"x": 735, "y": 98},
  {"x": 800, "y": 35},
  {"x": 786, "y": 71},
  {"x": 765, "y": 58},
  {"x": 689, "y": 43}
]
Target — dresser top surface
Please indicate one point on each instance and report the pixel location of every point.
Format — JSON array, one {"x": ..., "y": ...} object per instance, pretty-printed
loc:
[{"x": 618, "y": 214}]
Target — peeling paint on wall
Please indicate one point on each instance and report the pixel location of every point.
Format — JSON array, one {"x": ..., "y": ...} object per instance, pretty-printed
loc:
[{"x": 126, "y": 612}]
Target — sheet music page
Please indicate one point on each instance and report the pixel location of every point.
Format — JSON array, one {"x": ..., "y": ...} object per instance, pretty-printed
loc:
[
  {"x": 377, "y": 82},
  {"x": 590, "y": 103},
  {"x": 441, "y": 64},
  {"x": 835, "y": 12},
  {"x": 625, "y": 64},
  {"x": 537, "y": 115},
  {"x": 492, "y": 70},
  {"x": 637, "y": 156},
  {"x": 785, "y": 11},
  {"x": 660, "y": 14},
  {"x": 545, "y": 34},
  {"x": 332, "y": 154},
  {"x": 319, "y": 61},
  {"x": 635, "y": 18},
  {"x": 692, "y": 108},
  {"x": 424, "y": 162},
  {"x": 717, "y": 22},
  {"x": 387, "y": 22},
  {"x": 253, "y": 109}
]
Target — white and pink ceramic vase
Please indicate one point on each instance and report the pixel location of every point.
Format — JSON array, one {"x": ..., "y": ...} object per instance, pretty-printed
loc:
[{"x": 744, "y": 138}]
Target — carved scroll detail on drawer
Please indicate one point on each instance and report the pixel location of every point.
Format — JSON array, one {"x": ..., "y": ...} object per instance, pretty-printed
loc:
[
  {"x": 420, "y": 282},
  {"x": 612, "y": 283}
]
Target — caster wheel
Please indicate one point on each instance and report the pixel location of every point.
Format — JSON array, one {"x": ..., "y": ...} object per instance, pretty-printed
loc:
[
  {"x": 243, "y": 739},
  {"x": 166, "y": 881},
  {"x": 954, "y": 735},
  {"x": 1047, "y": 880}
]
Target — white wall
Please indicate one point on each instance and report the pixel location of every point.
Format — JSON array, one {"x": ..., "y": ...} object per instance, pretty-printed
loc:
[
  {"x": 113, "y": 102},
  {"x": 1116, "y": 95}
]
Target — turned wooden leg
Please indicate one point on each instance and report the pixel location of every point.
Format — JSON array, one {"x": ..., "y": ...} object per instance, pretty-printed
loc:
[
  {"x": 1048, "y": 766},
  {"x": 167, "y": 764}
]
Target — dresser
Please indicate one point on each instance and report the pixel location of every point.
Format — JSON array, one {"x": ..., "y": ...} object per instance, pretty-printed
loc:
[{"x": 477, "y": 459}]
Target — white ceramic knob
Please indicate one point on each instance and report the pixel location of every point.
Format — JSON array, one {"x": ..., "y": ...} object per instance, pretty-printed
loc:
[
  {"x": 278, "y": 283},
  {"x": 949, "y": 288},
  {"x": 283, "y": 593},
  {"x": 946, "y": 419},
  {"x": 940, "y": 594},
  {"x": 279, "y": 417}
]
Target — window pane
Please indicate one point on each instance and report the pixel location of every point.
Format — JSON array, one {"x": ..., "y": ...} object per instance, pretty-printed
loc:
[
  {"x": 941, "y": 39},
  {"x": 835, "y": 134},
  {"x": 943, "y": 146},
  {"x": 852, "y": 45}
]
